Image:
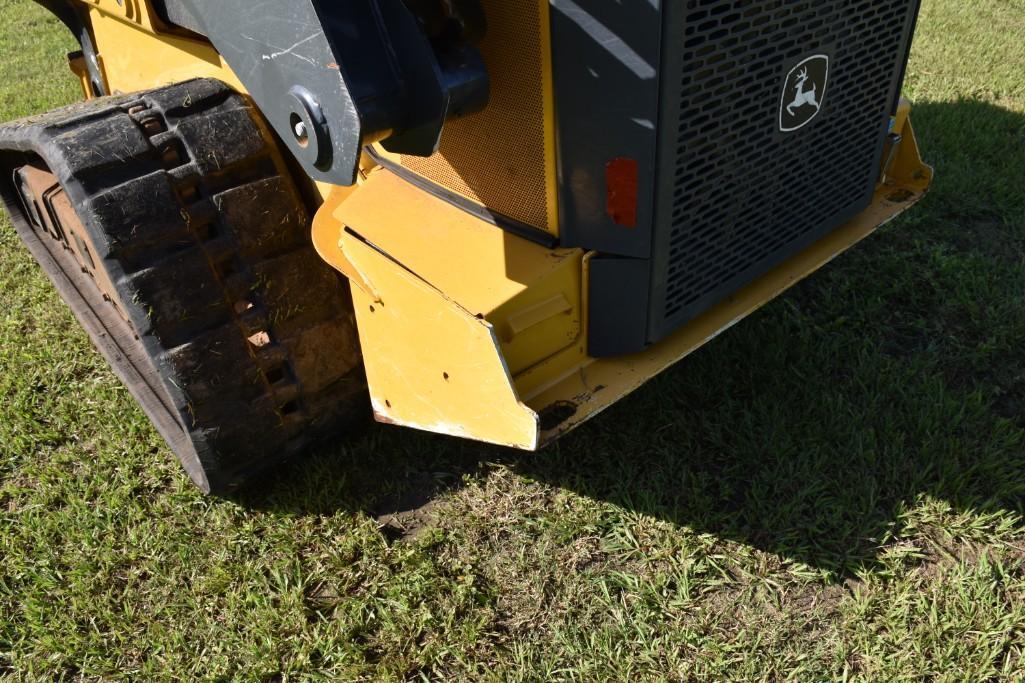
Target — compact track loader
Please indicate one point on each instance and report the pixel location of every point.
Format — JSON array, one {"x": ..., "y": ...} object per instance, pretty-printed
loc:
[{"x": 494, "y": 218}]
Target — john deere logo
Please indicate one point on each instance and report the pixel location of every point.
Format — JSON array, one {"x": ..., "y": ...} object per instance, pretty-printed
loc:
[{"x": 803, "y": 93}]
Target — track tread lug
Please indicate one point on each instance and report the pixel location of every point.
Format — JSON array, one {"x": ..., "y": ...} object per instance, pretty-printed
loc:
[{"x": 248, "y": 336}]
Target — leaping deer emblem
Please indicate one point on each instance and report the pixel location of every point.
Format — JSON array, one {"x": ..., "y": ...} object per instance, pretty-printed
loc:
[{"x": 803, "y": 97}]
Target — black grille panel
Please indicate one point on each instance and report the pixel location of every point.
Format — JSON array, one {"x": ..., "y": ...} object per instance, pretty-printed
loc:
[{"x": 737, "y": 196}]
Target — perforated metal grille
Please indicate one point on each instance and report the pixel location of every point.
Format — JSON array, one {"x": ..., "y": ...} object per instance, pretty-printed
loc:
[
  {"x": 498, "y": 157},
  {"x": 742, "y": 196}
]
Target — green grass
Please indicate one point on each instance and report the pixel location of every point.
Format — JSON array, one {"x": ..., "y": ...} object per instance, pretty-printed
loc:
[{"x": 834, "y": 489}]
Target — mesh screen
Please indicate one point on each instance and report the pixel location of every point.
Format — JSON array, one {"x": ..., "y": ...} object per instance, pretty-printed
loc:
[
  {"x": 742, "y": 194},
  {"x": 497, "y": 157}
]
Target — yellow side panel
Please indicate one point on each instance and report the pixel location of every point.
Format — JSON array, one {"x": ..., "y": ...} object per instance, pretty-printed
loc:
[
  {"x": 430, "y": 363},
  {"x": 531, "y": 294},
  {"x": 135, "y": 59}
]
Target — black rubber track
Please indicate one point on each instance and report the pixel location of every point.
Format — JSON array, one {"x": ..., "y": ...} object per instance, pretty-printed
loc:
[{"x": 242, "y": 347}]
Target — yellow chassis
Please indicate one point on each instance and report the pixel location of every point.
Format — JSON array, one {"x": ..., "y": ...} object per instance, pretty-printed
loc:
[
  {"x": 466, "y": 329},
  {"x": 442, "y": 300}
]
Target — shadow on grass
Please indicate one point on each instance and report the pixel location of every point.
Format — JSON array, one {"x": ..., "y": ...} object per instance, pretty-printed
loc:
[{"x": 894, "y": 375}]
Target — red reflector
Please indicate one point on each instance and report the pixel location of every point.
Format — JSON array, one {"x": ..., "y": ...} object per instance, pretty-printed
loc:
[{"x": 621, "y": 179}]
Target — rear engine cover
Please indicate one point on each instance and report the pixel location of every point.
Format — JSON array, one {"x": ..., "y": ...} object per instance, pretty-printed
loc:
[{"x": 757, "y": 127}]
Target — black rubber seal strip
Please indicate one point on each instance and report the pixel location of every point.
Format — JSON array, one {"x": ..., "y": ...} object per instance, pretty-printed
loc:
[{"x": 510, "y": 225}]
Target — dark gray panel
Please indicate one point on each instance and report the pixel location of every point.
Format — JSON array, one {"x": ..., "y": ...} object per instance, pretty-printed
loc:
[
  {"x": 737, "y": 195},
  {"x": 617, "y": 306},
  {"x": 176, "y": 13},
  {"x": 605, "y": 60}
]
